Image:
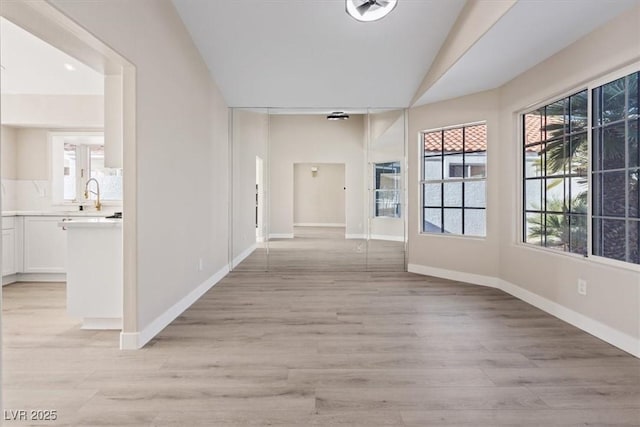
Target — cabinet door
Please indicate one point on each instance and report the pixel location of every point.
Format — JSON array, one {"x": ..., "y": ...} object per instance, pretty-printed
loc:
[
  {"x": 45, "y": 245},
  {"x": 8, "y": 252}
]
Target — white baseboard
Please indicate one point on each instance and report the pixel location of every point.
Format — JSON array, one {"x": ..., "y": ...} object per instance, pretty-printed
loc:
[
  {"x": 237, "y": 260},
  {"x": 137, "y": 340},
  {"x": 355, "y": 236},
  {"x": 34, "y": 277},
  {"x": 387, "y": 237},
  {"x": 318, "y": 224},
  {"x": 281, "y": 236},
  {"x": 459, "y": 276},
  {"x": 598, "y": 329}
]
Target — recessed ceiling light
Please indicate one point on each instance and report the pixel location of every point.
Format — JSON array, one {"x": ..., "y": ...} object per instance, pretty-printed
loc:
[
  {"x": 338, "y": 115},
  {"x": 69, "y": 67},
  {"x": 369, "y": 10}
]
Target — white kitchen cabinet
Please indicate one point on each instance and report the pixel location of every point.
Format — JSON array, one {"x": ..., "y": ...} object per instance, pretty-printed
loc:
[
  {"x": 8, "y": 252},
  {"x": 45, "y": 245}
]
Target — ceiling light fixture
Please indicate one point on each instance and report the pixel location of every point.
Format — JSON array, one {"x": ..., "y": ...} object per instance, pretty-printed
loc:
[
  {"x": 369, "y": 10},
  {"x": 69, "y": 67},
  {"x": 338, "y": 115}
]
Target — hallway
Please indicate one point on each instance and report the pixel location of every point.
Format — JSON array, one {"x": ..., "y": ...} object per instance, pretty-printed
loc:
[{"x": 320, "y": 348}]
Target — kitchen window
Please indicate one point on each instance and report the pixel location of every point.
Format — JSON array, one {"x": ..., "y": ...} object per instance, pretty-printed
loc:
[
  {"x": 454, "y": 180},
  {"x": 77, "y": 157}
]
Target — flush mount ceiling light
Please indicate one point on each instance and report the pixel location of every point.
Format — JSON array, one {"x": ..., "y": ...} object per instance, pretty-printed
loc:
[
  {"x": 338, "y": 115},
  {"x": 370, "y": 10}
]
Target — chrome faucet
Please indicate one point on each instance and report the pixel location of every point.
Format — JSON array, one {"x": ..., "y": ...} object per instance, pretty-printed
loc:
[{"x": 97, "y": 192}]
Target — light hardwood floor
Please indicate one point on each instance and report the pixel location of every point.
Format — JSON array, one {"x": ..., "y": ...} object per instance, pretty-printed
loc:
[
  {"x": 326, "y": 249},
  {"x": 299, "y": 348}
]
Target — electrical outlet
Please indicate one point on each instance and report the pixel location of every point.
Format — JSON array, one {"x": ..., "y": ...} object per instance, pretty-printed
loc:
[
  {"x": 582, "y": 287},
  {"x": 200, "y": 265}
]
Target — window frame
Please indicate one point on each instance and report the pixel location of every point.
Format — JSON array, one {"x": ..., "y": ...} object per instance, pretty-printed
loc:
[
  {"x": 57, "y": 195},
  {"x": 422, "y": 182},
  {"x": 374, "y": 190},
  {"x": 518, "y": 115}
]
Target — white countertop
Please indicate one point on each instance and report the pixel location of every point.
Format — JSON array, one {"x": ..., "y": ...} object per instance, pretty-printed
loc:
[
  {"x": 90, "y": 213},
  {"x": 91, "y": 223}
]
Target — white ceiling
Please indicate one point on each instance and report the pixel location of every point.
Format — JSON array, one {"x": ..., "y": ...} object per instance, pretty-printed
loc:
[
  {"x": 525, "y": 36},
  {"x": 310, "y": 53},
  {"x": 31, "y": 66}
]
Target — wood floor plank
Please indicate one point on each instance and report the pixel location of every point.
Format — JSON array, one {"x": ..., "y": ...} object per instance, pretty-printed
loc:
[{"x": 317, "y": 345}]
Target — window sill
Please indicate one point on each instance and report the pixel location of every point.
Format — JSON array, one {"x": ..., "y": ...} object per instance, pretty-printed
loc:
[
  {"x": 592, "y": 259},
  {"x": 453, "y": 236}
]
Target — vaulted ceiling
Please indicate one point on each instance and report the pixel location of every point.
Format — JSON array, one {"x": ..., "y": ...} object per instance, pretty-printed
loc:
[{"x": 311, "y": 54}]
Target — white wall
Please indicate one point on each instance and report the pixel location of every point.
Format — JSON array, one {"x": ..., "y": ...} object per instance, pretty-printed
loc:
[
  {"x": 250, "y": 134},
  {"x": 465, "y": 254},
  {"x": 54, "y": 111},
  {"x": 309, "y": 139},
  {"x": 9, "y": 153},
  {"x": 318, "y": 198},
  {"x": 181, "y": 141},
  {"x": 9, "y": 157},
  {"x": 613, "y": 293},
  {"x": 611, "y": 310}
]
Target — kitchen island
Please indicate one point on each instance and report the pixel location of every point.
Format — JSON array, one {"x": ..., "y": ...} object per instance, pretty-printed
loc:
[{"x": 94, "y": 271}]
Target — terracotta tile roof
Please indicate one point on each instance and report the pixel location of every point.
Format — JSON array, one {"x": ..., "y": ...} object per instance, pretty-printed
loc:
[{"x": 475, "y": 139}]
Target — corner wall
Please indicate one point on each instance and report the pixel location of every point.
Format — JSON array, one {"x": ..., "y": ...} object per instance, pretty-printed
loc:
[
  {"x": 471, "y": 255},
  {"x": 544, "y": 278}
]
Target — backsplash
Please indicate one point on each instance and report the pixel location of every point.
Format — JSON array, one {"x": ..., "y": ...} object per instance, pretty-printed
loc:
[{"x": 33, "y": 195}]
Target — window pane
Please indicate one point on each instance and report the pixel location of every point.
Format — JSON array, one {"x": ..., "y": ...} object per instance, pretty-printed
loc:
[
  {"x": 609, "y": 191},
  {"x": 533, "y": 194},
  {"x": 555, "y": 199},
  {"x": 634, "y": 95},
  {"x": 533, "y": 125},
  {"x": 609, "y": 238},
  {"x": 453, "y": 221},
  {"x": 634, "y": 194},
  {"x": 578, "y": 194},
  {"x": 556, "y": 231},
  {"x": 453, "y": 140},
  {"x": 534, "y": 161},
  {"x": 433, "y": 143},
  {"x": 433, "y": 195},
  {"x": 475, "y": 222},
  {"x": 452, "y": 194},
  {"x": 457, "y": 170},
  {"x": 611, "y": 104},
  {"x": 556, "y": 124},
  {"x": 475, "y": 138},
  {"x": 110, "y": 180},
  {"x": 610, "y": 147},
  {"x": 578, "y": 234},
  {"x": 387, "y": 203},
  {"x": 632, "y": 141},
  {"x": 578, "y": 108},
  {"x": 579, "y": 155},
  {"x": 433, "y": 168},
  {"x": 534, "y": 228},
  {"x": 634, "y": 241},
  {"x": 476, "y": 164},
  {"x": 556, "y": 156},
  {"x": 69, "y": 181},
  {"x": 475, "y": 194},
  {"x": 432, "y": 221}
]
